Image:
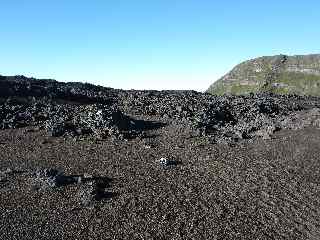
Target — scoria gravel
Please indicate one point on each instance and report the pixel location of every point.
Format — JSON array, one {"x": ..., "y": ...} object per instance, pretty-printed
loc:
[{"x": 79, "y": 161}]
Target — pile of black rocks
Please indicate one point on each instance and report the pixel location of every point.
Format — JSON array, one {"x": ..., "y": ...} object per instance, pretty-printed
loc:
[
  {"x": 51, "y": 178},
  {"x": 233, "y": 118},
  {"x": 91, "y": 188},
  {"x": 78, "y": 109},
  {"x": 21, "y": 86},
  {"x": 222, "y": 118},
  {"x": 171, "y": 105},
  {"x": 99, "y": 120}
]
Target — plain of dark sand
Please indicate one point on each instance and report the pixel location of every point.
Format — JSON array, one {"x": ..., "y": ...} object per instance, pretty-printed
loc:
[{"x": 264, "y": 189}]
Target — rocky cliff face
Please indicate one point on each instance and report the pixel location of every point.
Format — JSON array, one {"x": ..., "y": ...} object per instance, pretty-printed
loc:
[{"x": 278, "y": 74}]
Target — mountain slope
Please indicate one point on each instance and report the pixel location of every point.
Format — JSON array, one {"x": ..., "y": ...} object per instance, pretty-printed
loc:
[{"x": 278, "y": 74}]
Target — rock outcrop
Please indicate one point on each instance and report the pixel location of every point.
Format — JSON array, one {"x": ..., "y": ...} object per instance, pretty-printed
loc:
[{"x": 278, "y": 74}]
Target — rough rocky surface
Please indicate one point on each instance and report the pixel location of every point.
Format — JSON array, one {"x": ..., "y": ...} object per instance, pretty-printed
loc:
[
  {"x": 278, "y": 74},
  {"x": 158, "y": 165},
  {"x": 22, "y": 86},
  {"x": 222, "y": 119}
]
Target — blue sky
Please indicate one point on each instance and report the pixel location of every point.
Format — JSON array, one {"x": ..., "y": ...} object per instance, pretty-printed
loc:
[{"x": 149, "y": 44}]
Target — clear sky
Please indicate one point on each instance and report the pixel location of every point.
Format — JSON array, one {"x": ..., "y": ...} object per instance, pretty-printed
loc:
[{"x": 150, "y": 44}]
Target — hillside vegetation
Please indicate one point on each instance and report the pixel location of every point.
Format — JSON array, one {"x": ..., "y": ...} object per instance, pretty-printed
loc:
[{"x": 277, "y": 74}]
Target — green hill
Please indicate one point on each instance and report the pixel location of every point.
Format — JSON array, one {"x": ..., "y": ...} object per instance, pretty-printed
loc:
[{"x": 278, "y": 74}]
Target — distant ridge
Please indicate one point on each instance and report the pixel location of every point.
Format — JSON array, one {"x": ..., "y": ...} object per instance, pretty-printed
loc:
[{"x": 280, "y": 74}]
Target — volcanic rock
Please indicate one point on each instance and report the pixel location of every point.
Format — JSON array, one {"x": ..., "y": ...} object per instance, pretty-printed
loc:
[{"x": 279, "y": 74}]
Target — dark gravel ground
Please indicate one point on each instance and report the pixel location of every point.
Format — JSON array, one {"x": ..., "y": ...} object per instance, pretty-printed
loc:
[
  {"x": 268, "y": 189},
  {"x": 79, "y": 161}
]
